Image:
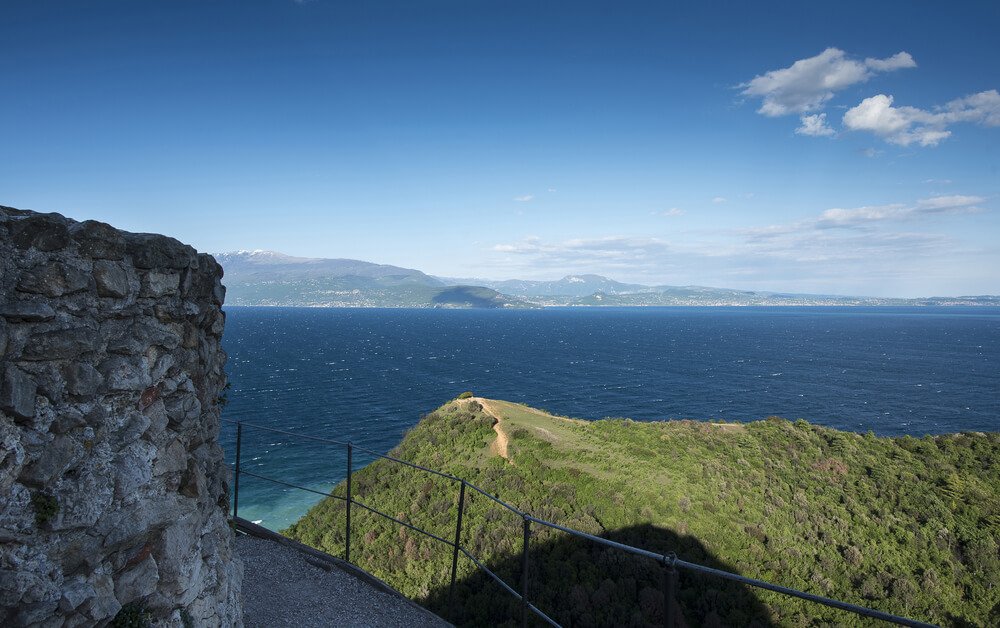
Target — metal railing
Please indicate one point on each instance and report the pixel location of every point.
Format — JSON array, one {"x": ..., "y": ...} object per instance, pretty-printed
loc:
[{"x": 670, "y": 562}]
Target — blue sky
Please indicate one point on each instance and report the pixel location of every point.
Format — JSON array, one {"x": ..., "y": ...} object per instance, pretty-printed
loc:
[{"x": 848, "y": 148}]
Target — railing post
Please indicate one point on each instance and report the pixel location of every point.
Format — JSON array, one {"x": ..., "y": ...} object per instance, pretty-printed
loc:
[
  {"x": 670, "y": 589},
  {"x": 524, "y": 571},
  {"x": 236, "y": 474},
  {"x": 458, "y": 541},
  {"x": 347, "y": 541}
]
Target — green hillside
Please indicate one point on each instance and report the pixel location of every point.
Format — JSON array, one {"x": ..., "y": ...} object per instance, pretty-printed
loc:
[
  {"x": 471, "y": 296},
  {"x": 906, "y": 525}
]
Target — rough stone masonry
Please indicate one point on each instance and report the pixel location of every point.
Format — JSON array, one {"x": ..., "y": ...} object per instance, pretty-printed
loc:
[{"x": 113, "y": 491}]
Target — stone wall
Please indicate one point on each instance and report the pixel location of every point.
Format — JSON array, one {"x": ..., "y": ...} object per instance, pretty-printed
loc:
[{"x": 113, "y": 490}]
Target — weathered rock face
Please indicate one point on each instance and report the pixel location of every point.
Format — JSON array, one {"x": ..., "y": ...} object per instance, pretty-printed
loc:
[{"x": 113, "y": 489}]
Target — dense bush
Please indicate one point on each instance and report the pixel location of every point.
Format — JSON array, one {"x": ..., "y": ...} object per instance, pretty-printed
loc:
[
  {"x": 910, "y": 526},
  {"x": 45, "y": 505},
  {"x": 132, "y": 615}
]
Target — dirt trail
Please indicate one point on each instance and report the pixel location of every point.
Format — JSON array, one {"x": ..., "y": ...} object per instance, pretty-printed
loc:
[{"x": 499, "y": 446}]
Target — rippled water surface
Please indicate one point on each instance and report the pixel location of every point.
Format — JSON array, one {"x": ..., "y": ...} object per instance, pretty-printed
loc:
[{"x": 368, "y": 375}]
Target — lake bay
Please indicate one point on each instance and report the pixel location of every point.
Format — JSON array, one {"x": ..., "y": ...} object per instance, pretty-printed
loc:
[{"x": 367, "y": 375}]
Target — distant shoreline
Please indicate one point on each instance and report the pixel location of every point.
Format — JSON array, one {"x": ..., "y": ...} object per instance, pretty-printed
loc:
[{"x": 630, "y": 307}]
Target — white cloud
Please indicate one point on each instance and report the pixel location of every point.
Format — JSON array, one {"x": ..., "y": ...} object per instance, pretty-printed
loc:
[
  {"x": 815, "y": 126},
  {"x": 808, "y": 84},
  {"x": 719, "y": 199},
  {"x": 871, "y": 152},
  {"x": 673, "y": 211},
  {"x": 911, "y": 125},
  {"x": 899, "y": 125},
  {"x": 552, "y": 189},
  {"x": 525, "y": 198}
]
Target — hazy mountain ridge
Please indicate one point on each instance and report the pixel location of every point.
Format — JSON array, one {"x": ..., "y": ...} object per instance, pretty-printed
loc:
[
  {"x": 271, "y": 265},
  {"x": 270, "y": 278}
]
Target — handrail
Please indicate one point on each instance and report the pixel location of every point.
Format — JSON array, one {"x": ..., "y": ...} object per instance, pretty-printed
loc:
[{"x": 669, "y": 561}]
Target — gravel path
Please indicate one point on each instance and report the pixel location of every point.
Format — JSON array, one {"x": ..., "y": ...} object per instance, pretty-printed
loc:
[{"x": 280, "y": 588}]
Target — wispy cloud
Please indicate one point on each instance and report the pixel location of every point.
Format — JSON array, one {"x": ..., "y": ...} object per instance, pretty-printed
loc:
[
  {"x": 808, "y": 84},
  {"x": 525, "y": 198},
  {"x": 956, "y": 203},
  {"x": 780, "y": 256},
  {"x": 673, "y": 211},
  {"x": 835, "y": 247},
  {"x": 719, "y": 199},
  {"x": 839, "y": 217},
  {"x": 910, "y": 125},
  {"x": 609, "y": 253}
]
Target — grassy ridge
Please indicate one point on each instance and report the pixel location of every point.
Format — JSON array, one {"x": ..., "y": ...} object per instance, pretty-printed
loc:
[{"x": 906, "y": 525}]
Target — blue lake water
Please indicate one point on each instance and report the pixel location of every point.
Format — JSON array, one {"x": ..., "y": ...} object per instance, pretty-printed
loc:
[{"x": 367, "y": 375}]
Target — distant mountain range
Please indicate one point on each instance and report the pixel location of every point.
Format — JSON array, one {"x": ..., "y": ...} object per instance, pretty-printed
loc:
[{"x": 272, "y": 278}]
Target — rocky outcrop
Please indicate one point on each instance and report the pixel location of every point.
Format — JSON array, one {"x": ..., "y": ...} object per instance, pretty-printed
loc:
[{"x": 113, "y": 490}]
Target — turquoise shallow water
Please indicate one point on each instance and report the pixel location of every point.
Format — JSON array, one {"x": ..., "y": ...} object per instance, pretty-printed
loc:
[{"x": 368, "y": 375}]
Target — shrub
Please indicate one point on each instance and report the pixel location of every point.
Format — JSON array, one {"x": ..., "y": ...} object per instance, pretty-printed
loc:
[
  {"x": 223, "y": 397},
  {"x": 132, "y": 615},
  {"x": 852, "y": 555},
  {"x": 45, "y": 505},
  {"x": 466, "y": 395}
]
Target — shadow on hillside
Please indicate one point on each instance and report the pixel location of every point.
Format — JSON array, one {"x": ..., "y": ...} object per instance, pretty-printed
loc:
[{"x": 580, "y": 583}]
